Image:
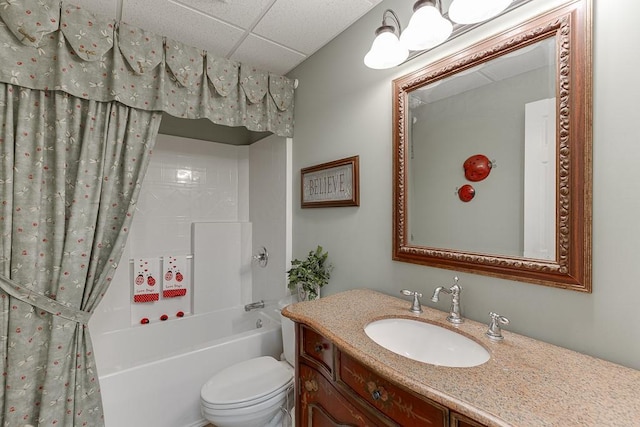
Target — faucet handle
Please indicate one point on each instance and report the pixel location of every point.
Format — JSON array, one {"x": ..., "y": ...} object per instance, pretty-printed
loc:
[
  {"x": 495, "y": 332},
  {"x": 415, "y": 306}
]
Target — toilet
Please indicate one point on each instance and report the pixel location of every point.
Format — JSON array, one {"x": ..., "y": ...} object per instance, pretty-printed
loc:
[{"x": 251, "y": 393}]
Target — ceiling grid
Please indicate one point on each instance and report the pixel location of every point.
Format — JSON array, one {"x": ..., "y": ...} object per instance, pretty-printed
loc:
[{"x": 274, "y": 35}]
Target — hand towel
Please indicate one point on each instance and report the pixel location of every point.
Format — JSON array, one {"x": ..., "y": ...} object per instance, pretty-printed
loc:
[
  {"x": 176, "y": 280},
  {"x": 146, "y": 275}
]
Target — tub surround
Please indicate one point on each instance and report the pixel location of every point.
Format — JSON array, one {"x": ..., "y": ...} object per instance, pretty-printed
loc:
[{"x": 526, "y": 382}]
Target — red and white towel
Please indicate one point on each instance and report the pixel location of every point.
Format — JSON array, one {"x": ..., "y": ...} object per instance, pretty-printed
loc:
[
  {"x": 146, "y": 279},
  {"x": 175, "y": 275}
]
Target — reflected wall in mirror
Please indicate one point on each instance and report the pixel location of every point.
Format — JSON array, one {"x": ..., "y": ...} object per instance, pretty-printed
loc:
[{"x": 522, "y": 99}]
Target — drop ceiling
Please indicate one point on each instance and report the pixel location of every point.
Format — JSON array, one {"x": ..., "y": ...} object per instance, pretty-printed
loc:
[{"x": 275, "y": 35}]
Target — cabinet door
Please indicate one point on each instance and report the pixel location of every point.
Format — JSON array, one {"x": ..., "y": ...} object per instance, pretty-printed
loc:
[
  {"x": 318, "y": 417},
  {"x": 459, "y": 420},
  {"x": 320, "y": 405}
]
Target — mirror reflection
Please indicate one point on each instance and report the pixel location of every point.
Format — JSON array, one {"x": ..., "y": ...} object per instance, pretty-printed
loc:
[
  {"x": 515, "y": 109},
  {"x": 504, "y": 111}
]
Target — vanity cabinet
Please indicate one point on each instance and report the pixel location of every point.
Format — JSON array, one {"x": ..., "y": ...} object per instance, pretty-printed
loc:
[{"x": 334, "y": 389}]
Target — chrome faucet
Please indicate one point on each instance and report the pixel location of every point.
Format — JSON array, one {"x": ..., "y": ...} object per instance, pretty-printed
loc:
[
  {"x": 455, "y": 291},
  {"x": 254, "y": 305}
]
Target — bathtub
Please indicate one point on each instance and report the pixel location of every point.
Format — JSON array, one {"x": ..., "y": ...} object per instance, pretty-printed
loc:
[{"x": 151, "y": 375}]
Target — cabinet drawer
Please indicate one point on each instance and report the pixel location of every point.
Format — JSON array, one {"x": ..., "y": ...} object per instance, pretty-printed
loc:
[
  {"x": 321, "y": 405},
  {"x": 402, "y": 406},
  {"x": 317, "y": 348}
]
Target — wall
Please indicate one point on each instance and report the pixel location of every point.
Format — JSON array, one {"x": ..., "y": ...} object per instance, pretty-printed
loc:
[
  {"x": 493, "y": 221},
  {"x": 190, "y": 181},
  {"x": 270, "y": 213},
  {"x": 344, "y": 109}
]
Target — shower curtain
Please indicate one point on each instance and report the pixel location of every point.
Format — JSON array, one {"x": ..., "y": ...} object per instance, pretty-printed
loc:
[{"x": 71, "y": 170}]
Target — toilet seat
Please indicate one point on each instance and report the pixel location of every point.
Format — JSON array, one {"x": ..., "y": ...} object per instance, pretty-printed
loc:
[
  {"x": 246, "y": 383},
  {"x": 240, "y": 405},
  {"x": 267, "y": 405}
]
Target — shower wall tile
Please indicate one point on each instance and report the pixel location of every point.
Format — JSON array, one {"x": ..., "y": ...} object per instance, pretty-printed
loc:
[
  {"x": 222, "y": 265},
  {"x": 187, "y": 181},
  {"x": 269, "y": 190},
  {"x": 191, "y": 181}
]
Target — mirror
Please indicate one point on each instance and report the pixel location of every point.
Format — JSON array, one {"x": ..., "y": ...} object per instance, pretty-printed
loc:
[{"x": 514, "y": 109}]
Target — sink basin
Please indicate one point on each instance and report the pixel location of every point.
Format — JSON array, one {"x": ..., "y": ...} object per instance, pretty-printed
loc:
[{"x": 426, "y": 343}]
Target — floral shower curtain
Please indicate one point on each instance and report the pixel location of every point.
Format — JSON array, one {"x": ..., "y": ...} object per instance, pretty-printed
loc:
[{"x": 70, "y": 173}]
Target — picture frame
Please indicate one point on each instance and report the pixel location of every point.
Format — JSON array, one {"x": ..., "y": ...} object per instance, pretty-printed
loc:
[{"x": 332, "y": 184}]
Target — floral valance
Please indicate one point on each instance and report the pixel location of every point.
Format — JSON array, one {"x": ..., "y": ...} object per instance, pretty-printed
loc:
[{"x": 48, "y": 45}]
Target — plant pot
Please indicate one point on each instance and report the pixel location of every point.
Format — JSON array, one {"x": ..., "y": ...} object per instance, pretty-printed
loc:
[{"x": 307, "y": 292}]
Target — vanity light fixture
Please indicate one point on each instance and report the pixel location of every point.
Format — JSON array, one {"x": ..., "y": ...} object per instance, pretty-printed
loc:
[
  {"x": 386, "y": 50},
  {"x": 427, "y": 28}
]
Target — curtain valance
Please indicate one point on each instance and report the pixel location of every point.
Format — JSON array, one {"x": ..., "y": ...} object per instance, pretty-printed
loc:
[{"x": 48, "y": 45}]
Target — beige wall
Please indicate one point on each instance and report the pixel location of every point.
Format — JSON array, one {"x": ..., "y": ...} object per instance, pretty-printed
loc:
[{"x": 344, "y": 109}]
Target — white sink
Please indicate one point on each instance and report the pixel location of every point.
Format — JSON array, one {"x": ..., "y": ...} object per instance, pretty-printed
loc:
[{"x": 426, "y": 343}]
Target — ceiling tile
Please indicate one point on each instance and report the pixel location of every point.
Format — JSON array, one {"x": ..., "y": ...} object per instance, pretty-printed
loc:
[
  {"x": 242, "y": 13},
  {"x": 266, "y": 55},
  {"x": 181, "y": 24},
  {"x": 307, "y": 25},
  {"x": 285, "y": 33}
]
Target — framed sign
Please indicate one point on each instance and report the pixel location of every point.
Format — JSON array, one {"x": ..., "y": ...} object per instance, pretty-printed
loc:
[{"x": 331, "y": 184}]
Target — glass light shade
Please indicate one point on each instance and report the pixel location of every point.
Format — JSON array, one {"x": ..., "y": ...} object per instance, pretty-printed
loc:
[
  {"x": 427, "y": 28},
  {"x": 472, "y": 11},
  {"x": 386, "y": 51}
]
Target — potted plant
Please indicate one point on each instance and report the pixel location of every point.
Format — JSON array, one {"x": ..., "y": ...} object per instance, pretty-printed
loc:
[{"x": 309, "y": 275}]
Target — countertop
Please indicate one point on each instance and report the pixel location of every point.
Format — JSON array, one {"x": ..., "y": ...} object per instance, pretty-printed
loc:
[{"x": 525, "y": 382}]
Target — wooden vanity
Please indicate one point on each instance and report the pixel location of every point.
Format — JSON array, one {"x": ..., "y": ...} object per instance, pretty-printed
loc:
[
  {"x": 345, "y": 379},
  {"x": 335, "y": 389}
]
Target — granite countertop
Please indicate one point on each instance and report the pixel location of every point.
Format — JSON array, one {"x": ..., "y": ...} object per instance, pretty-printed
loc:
[{"x": 525, "y": 382}]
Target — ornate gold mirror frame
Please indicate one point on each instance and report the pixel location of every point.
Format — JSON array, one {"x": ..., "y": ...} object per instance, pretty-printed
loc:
[{"x": 570, "y": 26}]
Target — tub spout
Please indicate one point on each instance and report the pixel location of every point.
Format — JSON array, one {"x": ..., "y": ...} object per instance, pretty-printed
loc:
[{"x": 254, "y": 305}]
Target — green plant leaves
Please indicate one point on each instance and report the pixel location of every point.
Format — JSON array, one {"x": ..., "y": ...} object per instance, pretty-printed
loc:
[{"x": 314, "y": 270}]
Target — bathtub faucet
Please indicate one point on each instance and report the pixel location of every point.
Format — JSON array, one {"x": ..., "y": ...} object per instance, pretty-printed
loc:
[{"x": 254, "y": 305}]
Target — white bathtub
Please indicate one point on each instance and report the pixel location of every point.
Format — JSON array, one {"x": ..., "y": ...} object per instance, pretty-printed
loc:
[{"x": 151, "y": 375}]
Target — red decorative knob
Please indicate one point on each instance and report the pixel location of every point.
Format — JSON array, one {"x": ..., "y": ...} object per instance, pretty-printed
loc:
[
  {"x": 180, "y": 314},
  {"x": 466, "y": 193},
  {"x": 164, "y": 317},
  {"x": 477, "y": 167},
  {"x": 144, "y": 320}
]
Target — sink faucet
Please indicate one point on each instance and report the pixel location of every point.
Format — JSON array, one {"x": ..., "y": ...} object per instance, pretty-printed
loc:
[{"x": 455, "y": 290}]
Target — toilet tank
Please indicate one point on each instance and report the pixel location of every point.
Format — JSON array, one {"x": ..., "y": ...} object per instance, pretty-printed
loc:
[{"x": 288, "y": 334}]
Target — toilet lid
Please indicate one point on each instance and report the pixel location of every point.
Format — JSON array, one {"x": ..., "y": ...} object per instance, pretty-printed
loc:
[{"x": 246, "y": 381}]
